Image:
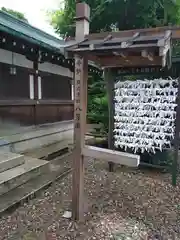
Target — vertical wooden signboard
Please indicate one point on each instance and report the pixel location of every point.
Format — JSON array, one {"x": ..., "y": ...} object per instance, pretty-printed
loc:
[
  {"x": 80, "y": 84},
  {"x": 80, "y": 105},
  {"x": 36, "y": 74}
]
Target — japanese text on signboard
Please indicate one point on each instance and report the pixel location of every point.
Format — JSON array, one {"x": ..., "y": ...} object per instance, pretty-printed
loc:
[{"x": 78, "y": 70}]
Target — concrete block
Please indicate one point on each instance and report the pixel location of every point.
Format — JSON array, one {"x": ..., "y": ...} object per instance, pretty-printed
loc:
[
  {"x": 38, "y": 137},
  {"x": 10, "y": 160}
]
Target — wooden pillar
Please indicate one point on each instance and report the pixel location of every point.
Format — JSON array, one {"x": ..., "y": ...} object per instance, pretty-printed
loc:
[
  {"x": 176, "y": 138},
  {"x": 109, "y": 79},
  {"x": 35, "y": 67},
  {"x": 80, "y": 106}
]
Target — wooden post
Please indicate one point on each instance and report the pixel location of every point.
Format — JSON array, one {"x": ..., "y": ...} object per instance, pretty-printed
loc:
[
  {"x": 176, "y": 138},
  {"x": 80, "y": 105},
  {"x": 109, "y": 79},
  {"x": 35, "y": 66}
]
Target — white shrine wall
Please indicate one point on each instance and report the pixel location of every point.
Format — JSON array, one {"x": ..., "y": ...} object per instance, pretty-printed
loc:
[{"x": 18, "y": 59}]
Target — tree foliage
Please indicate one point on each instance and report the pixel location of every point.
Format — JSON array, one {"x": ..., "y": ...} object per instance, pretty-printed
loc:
[
  {"x": 124, "y": 14},
  {"x": 97, "y": 102},
  {"x": 17, "y": 14}
]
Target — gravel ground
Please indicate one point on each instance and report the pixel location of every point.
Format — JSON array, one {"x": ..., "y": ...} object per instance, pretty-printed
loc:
[{"x": 125, "y": 205}]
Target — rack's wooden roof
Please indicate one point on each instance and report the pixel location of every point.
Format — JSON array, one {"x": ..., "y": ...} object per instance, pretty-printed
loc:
[
  {"x": 145, "y": 47},
  {"x": 144, "y": 31}
]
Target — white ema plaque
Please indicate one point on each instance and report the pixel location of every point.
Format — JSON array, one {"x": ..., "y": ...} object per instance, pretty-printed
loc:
[{"x": 145, "y": 114}]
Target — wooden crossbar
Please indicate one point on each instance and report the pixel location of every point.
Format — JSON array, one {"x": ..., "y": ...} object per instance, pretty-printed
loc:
[{"x": 122, "y": 158}]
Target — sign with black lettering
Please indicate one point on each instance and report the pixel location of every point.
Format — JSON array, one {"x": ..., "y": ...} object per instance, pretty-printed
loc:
[{"x": 78, "y": 72}]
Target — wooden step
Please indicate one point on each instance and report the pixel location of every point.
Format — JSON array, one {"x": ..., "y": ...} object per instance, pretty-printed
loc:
[
  {"x": 47, "y": 150},
  {"x": 19, "y": 175},
  {"x": 30, "y": 189}
]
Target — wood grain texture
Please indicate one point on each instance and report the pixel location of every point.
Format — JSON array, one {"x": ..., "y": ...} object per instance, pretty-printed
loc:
[
  {"x": 109, "y": 79},
  {"x": 127, "y": 33},
  {"x": 80, "y": 84},
  {"x": 127, "y": 159},
  {"x": 22, "y": 113}
]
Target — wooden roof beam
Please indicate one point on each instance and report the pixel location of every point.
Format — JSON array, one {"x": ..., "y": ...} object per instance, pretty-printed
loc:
[
  {"x": 93, "y": 58},
  {"x": 165, "y": 46},
  {"x": 93, "y": 46},
  {"x": 130, "y": 61},
  {"x": 128, "y": 43},
  {"x": 109, "y": 37},
  {"x": 167, "y": 36},
  {"x": 121, "y": 54},
  {"x": 148, "y": 55}
]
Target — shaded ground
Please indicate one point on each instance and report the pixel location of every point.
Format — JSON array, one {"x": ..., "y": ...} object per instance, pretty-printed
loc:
[{"x": 127, "y": 204}]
